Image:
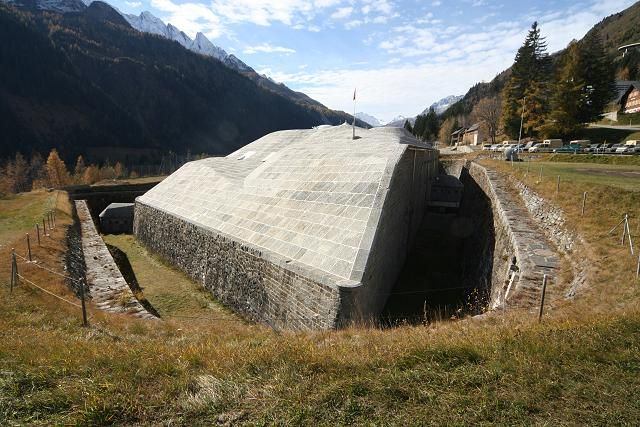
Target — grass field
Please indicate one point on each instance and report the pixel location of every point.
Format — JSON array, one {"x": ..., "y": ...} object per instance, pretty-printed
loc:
[
  {"x": 580, "y": 366},
  {"x": 626, "y": 177},
  {"x": 20, "y": 213},
  {"x": 170, "y": 292}
]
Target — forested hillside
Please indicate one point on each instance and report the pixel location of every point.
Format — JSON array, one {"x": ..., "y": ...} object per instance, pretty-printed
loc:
[
  {"x": 616, "y": 30},
  {"x": 87, "y": 83}
]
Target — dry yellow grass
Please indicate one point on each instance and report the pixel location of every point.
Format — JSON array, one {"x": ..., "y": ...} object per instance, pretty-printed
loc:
[{"x": 580, "y": 366}]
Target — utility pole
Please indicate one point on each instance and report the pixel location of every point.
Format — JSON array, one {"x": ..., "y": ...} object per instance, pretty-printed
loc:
[
  {"x": 524, "y": 103},
  {"x": 354, "y": 115}
]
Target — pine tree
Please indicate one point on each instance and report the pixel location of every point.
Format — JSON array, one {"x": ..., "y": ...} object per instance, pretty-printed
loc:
[
  {"x": 56, "y": 170},
  {"x": 407, "y": 126},
  {"x": 598, "y": 76},
  {"x": 432, "y": 126},
  {"x": 78, "y": 171},
  {"x": 564, "y": 117},
  {"x": 529, "y": 76},
  {"x": 584, "y": 86},
  {"x": 420, "y": 126}
]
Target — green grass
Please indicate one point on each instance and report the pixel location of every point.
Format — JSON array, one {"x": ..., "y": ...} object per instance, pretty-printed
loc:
[
  {"x": 626, "y": 177},
  {"x": 19, "y": 213},
  {"x": 170, "y": 292},
  {"x": 592, "y": 158}
]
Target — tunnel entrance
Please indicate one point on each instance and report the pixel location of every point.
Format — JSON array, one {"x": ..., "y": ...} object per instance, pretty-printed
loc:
[{"x": 448, "y": 271}]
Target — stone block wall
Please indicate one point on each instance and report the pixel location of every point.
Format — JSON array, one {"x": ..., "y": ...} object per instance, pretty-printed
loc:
[
  {"x": 516, "y": 237},
  {"x": 283, "y": 293}
]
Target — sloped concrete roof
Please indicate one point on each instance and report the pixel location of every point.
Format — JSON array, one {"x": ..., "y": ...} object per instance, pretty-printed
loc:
[{"x": 311, "y": 197}]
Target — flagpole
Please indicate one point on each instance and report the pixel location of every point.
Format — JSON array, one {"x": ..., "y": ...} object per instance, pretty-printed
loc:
[{"x": 354, "y": 115}]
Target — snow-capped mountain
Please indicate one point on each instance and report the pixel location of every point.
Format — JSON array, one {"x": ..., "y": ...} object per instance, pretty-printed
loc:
[
  {"x": 148, "y": 23},
  {"x": 368, "y": 119},
  {"x": 202, "y": 45},
  {"x": 61, "y": 6},
  {"x": 398, "y": 122},
  {"x": 441, "y": 105},
  {"x": 176, "y": 34}
]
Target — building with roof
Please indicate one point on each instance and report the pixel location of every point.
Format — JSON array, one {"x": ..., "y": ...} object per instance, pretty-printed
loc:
[
  {"x": 457, "y": 136},
  {"x": 299, "y": 229},
  {"x": 117, "y": 218},
  {"x": 474, "y": 135},
  {"x": 627, "y": 99}
]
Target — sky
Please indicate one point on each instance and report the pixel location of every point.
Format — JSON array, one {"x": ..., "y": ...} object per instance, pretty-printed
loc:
[{"x": 401, "y": 55}]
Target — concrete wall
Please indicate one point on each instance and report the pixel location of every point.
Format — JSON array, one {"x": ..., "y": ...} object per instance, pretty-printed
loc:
[
  {"x": 282, "y": 293},
  {"x": 401, "y": 215}
]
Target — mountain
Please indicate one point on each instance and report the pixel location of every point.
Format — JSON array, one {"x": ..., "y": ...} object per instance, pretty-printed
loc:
[
  {"x": 616, "y": 30},
  {"x": 61, "y": 6},
  {"x": 202, "y": 45},
  {"x": 398, "y": 122},
  {"x": 441, "y": 105},
  {"x": 110, "y": 91},
  {"x": 368, "y": 119},
  {"x": 147, "y": 23}
]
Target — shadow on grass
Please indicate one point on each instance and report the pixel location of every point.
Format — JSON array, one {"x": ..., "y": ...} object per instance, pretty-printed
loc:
[{"x": 129, "y": 275}]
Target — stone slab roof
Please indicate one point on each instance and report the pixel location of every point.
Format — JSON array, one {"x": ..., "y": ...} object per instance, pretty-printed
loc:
[{"x": 312, "y": 197}]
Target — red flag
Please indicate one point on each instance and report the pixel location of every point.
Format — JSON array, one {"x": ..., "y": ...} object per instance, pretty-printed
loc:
[{"x": 354, "y": 94}]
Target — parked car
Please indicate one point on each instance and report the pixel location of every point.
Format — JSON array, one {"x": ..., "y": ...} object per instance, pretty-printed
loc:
[
  {"x": 593, "y": 148},
  {"x": 604, "y": 148},
  {"x": 486, "y": 147},
  {"x": 613, "y": 148},
  {"x": 625, "y": 149},
  {"x": 494, "y": 147},
  {"x": 543, "y": 147},
  {"x": 584, "y": 143},
  {"x": 571, "y": 148}
]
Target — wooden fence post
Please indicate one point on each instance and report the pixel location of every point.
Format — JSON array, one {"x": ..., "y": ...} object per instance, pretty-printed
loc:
[
  {"x": 14, "y": 269},
  {"x": 44, "y": 227},
  {"x": 558, "y": 186},
  {"x": 29, "y": 247},
  {"x": 584, "y": 201},
  {"x": 85, "y": 323},
  {"x": 544, "y": 290},
  {"x": 38, "y": 233}
]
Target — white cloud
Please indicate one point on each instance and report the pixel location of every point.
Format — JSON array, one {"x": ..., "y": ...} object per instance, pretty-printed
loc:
[
  {"x": 268, "y": 48},
  {"x": 342, "y": 13},
  {"x": 133, "y": 4},
  {"x": 191, "y": 18}
]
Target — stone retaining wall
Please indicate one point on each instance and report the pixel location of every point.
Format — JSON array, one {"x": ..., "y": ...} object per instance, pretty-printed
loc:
[
  {"x": 522, "y": 254},
  {"x": 107, "y": 288}
]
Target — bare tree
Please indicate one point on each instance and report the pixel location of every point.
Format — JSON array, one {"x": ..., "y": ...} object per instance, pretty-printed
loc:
[{"x": 488, "y": 111}]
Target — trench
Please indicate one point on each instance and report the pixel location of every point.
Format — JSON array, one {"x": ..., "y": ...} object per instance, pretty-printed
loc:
[{"x": 448, "y": 272}]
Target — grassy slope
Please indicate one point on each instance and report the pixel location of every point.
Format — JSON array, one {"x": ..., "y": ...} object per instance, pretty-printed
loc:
[
  {"x": 581, "y": 366},
  {"x": 170, "y": 292}
]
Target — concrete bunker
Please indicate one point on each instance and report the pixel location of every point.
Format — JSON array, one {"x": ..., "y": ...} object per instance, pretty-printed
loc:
[{"x": 299, "y": 229}]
